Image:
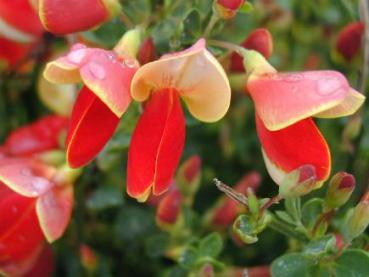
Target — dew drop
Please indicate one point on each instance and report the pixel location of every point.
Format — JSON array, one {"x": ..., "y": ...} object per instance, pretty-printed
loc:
[
  {"x": 97, "y": 70},
  {"x": 77, "y": 56},
  {"x": 22, "y": 238},
  {"x": 2, "y": 246},
  {"x": 295, "y": 77},
  {"x": 329, "y": 86},
  {"x": 200, "y": 61},
  {"x": 26, "y": 172},
  {"x": 14, "y": 210},
  {"x": 131, "y": 63}
]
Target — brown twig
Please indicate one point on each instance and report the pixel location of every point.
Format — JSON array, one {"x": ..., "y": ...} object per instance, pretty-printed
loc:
[{"x": 230, "y": 192}]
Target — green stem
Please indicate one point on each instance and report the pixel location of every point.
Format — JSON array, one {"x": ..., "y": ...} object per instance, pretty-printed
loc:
[
  {"x": 213, "y": 20},
  {"x": 285, "y": 229}
]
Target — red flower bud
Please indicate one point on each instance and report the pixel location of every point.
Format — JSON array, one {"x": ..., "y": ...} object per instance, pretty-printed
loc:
[
  {"x": 349, "y": 40},
  {"x": 189, "y": 175},
  {"x": 228, "y": 209},
  {"x": 88, "y": 257},
  {"x": 147, "y": 52},
  {"x": 169, "y": 209},
  {"x": 260, "y": 40},
  {"x": 339, "y": 190},
  {"x": 227, "y": 8},
  {"x": 69, "y": 16},
  {"x": 39, "y": 136},
  {"x": 339, "y": 242}
]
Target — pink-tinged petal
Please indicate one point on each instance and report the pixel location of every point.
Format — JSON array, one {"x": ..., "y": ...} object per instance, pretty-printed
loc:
[
  {"x": 283, "y": 99},
  {"x": 20, "y": 232},
  {"x": 54, "y": 210},
  {"x": 156, "y": 146},
  {"x": 197, "y": 76},
  {"x": 92, "y": 125},
  {"x": 19, "y": 21},
  {"x": 103, "y": 72},
  {"x": 299, "y": 144},
  {"x": 70, "y": 16},
  {"x": 27, "y": 177},
  {"x": 39, "y": 136},
  {"x": 109, "y": 79},
  {"x": 348, "y": 106}
]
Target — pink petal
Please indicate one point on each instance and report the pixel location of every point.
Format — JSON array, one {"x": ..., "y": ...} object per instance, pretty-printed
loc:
[
  {"x": 54, "y": 210},
  {"x": 27, "y": 177},
  {"x": 285, "y": 98}
]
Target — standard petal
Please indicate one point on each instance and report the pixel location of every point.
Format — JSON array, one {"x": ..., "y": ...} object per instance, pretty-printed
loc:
[
  {"x": 92, "y": 125},
  {"x": 54, "y": 210},
  {"x": 294, "y": 146},
  {"x": 69, "y": 16},
  {"x": 348, "y": 106},
  {"x": 156, "y": 146},
  {"x": 195, "y": 74},
  {"x": 109, "y": 79},
  {"x": 27, "y": 177},
  {"x": 20, "y": 232},
  {"x": 284, "y": 99}
]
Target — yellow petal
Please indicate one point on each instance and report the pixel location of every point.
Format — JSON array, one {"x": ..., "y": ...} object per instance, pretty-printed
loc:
[{"x": 348, "y": 106}]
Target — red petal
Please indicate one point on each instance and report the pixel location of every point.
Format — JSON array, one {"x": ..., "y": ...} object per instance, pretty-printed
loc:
[
  {"x": 92, "y": 125},
  {"x": 12, "y": 52},
  {"x": 42, "y": 135},
  {"x": 69, "y": 16},
  {"x": 44, "y": 265},
  {"x": 21, "y": 15},
  {"x": 297, "y": 145},
  {"x": 20, "y": 232},
  {"x": 156, "y": 146}
]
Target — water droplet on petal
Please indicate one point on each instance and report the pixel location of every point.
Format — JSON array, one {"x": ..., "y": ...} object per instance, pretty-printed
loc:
[
  {"x": 2, "y": 246},
  {"x": 294, "y": 77},
  {"x": 26, "y": 172},
  {"x": 14, "y": 210},
  {"x": 97, "y": 70},
  {"x": 328, "y": 86},
  {"x": 77, "y": 56},
  {"x": 200, "y": 61},
  {"x": 22, "y": 238},
  {"x": 131, "y": 63}
]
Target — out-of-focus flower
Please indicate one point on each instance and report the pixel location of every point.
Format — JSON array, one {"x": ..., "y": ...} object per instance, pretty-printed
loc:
[
  {"x": 196, "y": 76},
  {"x": 227, "y": 8},
  {"x": 358, "y": 219},
  {"x": 227, "y": 209},
  {"x": 35, "y": 206},
  {"x": 189, "y": 175},
  {"x": 260, "y": 40},
  {"x": 88, "y": 257},
  {"x": 37, "y": 137},
  {"x": 20, "y": 30},
  {"x": 169, "y": 210},
  {"x": 70, "y": 16},
  {"x": 349, "y": 40},
  {"x": 101, "y": 102},
  {"x": 147, "y": 52}
]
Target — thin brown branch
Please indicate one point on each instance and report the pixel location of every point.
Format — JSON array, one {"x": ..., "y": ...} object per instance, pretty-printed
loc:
[{"x": 230, "y": 192}]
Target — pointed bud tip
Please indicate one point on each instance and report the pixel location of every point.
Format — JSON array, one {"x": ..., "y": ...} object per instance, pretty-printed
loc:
[{"x": 348, "y": 181}]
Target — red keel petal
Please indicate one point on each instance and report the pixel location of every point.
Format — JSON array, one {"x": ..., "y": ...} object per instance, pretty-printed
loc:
[
  {"x": 156, "y": 146},
  {"x": 297, "y": 145},
  {"x": 92, "y": 125}
]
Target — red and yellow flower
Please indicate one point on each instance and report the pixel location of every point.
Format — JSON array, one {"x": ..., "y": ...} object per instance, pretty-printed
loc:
[{"x": 158, "y": 140}]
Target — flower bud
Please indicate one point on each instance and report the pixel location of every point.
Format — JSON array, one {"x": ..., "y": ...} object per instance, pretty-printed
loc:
[
  {"x": 227, "y": 9},
  {"x": 358, "y": 220},
  {"x": 147, "y": 52},
  {"x": 298, "y": 182},
  {"x": 259, "y": 40},
  {"x": 189, "y": 175},
  {"x": 129, "y": 44},
  {"x": 169, "y": 209},
  {"x": 88, "y": 257},
  {"x": 340, "y": 189},
  {"x": 339, "y": 242},
  {"x": 349, "y": 40}
]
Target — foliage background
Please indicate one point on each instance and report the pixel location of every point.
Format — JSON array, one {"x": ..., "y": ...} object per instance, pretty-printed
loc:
[{"x": 123, "y": 232}]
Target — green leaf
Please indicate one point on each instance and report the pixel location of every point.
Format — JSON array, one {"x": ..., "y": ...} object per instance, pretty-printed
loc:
[
  {"x": 246, "y": 229},
  {"x": 189, "y": 257},
  {"x": 322, "y": 246},
  {"x": 211, "y": 245},
  {"x": 105, "y": 197},
  {"x": 293, "y": 207},
  {"x": 292, "y": 265},
  {"x": 192, "y": 27},
  {"x": 285, "y": 217},
  {"x": 352, "y": 263},
  {"x": 156, "y": 245}
]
